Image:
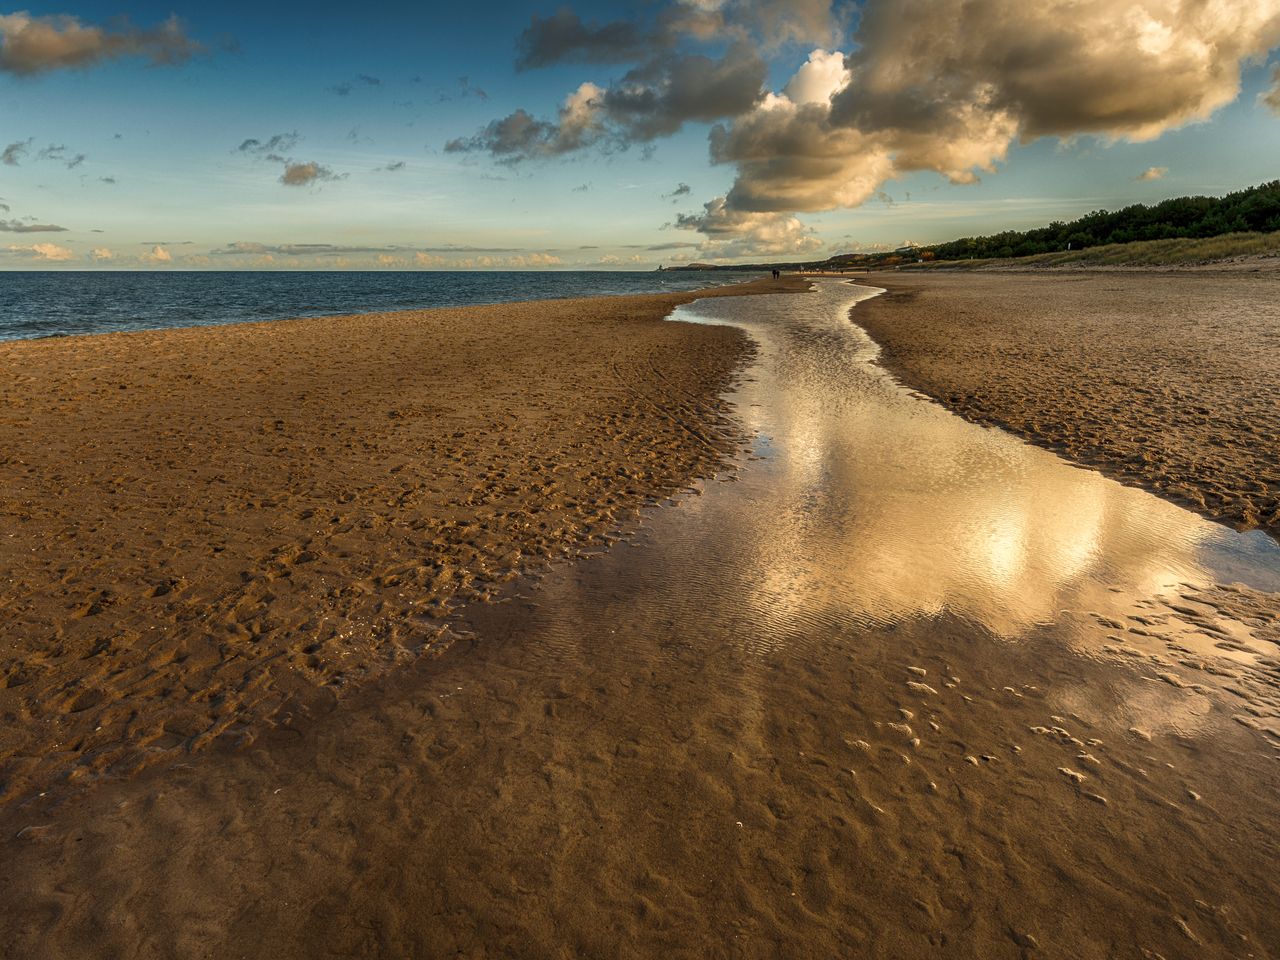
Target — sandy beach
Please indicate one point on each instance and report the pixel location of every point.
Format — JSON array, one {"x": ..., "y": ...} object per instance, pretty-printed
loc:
[
  {"x": 691, "y": 480},
  {"x": 778, "y": 719},
  {"x": 1167, "y": 380},
  {"x": 203, "y": 527}
]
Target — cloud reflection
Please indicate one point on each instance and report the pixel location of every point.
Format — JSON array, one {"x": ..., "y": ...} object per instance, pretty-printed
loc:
[{"x": 889, "y": 507}]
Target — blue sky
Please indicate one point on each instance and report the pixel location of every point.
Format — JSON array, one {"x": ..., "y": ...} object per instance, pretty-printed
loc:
[{"x": 363, "y": 104}]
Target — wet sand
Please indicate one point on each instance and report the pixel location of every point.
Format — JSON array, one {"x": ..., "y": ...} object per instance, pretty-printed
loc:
[
  {"x": 559, "y": 788},
  {"x": 205, "y": 527},
  {"x": 1168, "y": 380},
  {"x": 870, "y": 699}
]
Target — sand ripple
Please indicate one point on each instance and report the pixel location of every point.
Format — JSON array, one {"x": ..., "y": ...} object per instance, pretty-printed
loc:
[
  {"x": 204, "y": 527},
  {"x": 1166, "y": 381}
]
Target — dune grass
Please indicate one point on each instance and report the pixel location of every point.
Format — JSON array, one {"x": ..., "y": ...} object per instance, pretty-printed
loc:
[{"x": 1143, "y": 253}]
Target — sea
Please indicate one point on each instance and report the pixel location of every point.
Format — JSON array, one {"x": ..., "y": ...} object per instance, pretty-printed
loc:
[{"x": 65, "y": 303}]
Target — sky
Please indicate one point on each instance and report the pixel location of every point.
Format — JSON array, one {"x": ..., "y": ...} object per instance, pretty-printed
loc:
[{"x": 608, "y": 135}]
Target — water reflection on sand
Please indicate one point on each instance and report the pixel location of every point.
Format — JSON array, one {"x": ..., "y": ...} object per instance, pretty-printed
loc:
[{"x": 871, "y": 500}]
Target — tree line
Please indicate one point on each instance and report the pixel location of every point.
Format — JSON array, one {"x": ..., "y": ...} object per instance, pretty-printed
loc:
[{"x": 1256, "y": 209}]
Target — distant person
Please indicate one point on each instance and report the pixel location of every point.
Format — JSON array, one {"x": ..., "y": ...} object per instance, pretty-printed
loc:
[{"x": 777, "y": 274}]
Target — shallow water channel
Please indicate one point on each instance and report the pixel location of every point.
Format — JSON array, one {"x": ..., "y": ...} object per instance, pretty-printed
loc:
[
  {"x": 865, "y": 503},
  {"x": 868, "y": 496}
]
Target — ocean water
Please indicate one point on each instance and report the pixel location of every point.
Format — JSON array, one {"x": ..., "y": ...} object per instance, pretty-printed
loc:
[{"x": 62, "y": 303}]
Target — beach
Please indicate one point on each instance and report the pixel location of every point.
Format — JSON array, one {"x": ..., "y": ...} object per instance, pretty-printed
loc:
[
  {"x": 1163, "y": 379},
  {"x": 800, "y": 665},
  {"x": 693, "y": 480},
  {"x": 204, "y": 527}
]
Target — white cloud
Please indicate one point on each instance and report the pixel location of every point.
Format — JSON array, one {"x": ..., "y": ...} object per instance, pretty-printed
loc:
[
  {"x": 523, "y": 261},
  {"x": 954, "y": 101},
  {"x": 535, "y": 260},
  {"x": 739, "y": 233},
  {"x": 821, "y": 75},
  {"x": 519, "y": 261},
  {"x": 1152, "y": 173},
  {"x": 789, "y": 157},
  {"x": 42, "y": 251},
  {"x": 158, "y": 254},
  {"x": 580, "y": 114},
  {"x": 1129, "y": 69},
  {"x": 101, "y": 253}
]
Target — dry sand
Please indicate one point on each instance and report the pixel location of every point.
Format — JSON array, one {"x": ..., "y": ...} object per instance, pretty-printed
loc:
[
  {"x": 201, "y": 526},
  {"x": 1166, "y": 380}
]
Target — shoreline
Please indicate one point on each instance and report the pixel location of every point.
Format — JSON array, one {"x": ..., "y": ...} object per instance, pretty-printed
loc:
[
  {"x": 1157, "y": 379},
  {"x": 217, "y": 526},
  {"x": 41, "y": 307}
]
